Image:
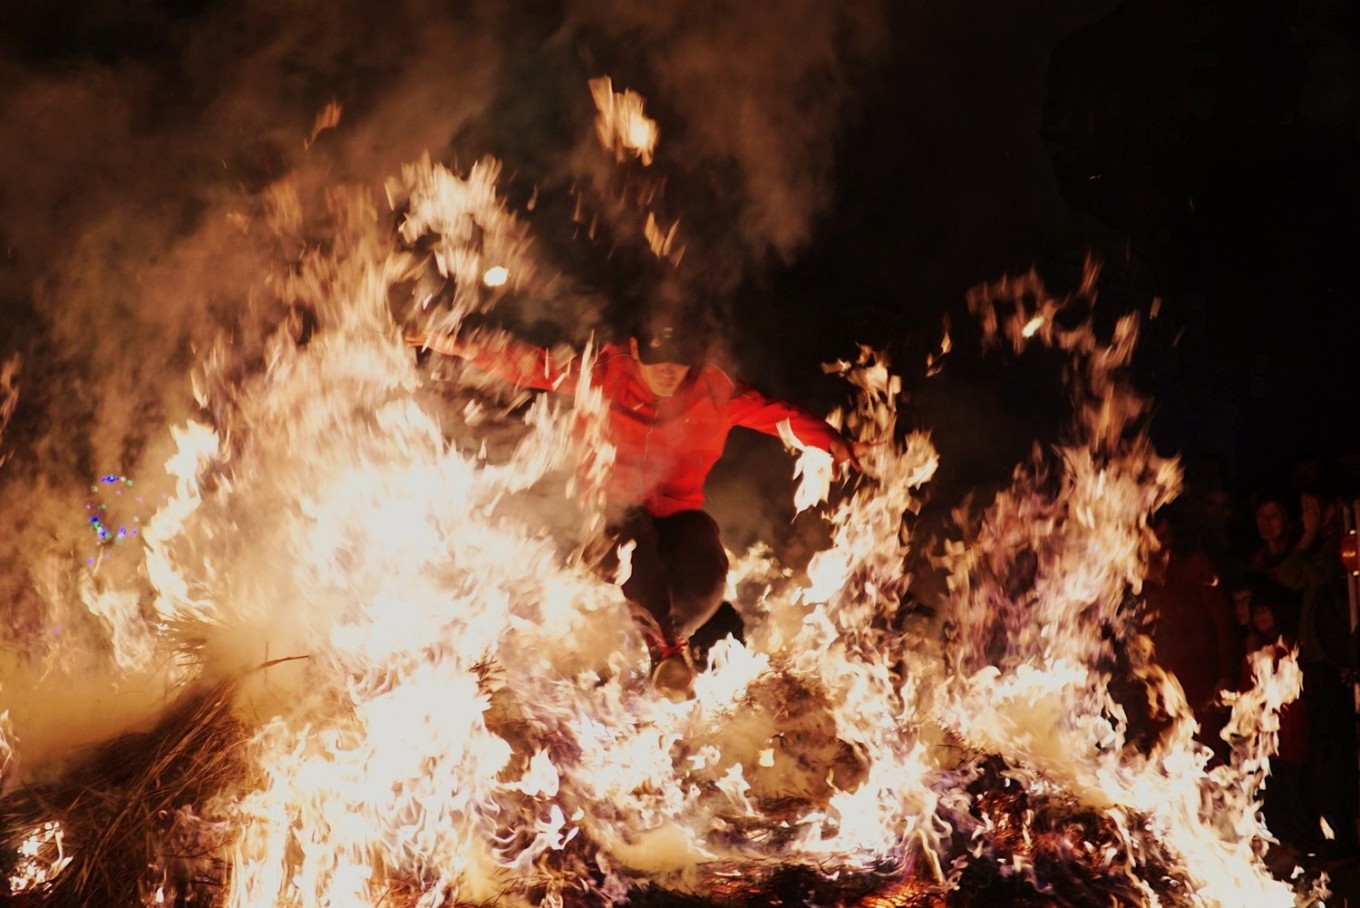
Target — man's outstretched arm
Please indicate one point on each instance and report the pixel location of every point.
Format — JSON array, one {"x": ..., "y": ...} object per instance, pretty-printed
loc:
[
  {"x": 520, "y": 363},
  {"x": 751, "y": 409}
]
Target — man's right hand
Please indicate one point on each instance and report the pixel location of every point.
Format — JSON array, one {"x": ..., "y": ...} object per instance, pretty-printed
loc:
[
  {"x": 447, "y": 344},
  {"x": 845, "y": 451}
]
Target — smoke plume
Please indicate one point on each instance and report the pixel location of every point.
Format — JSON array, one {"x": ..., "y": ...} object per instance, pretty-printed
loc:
[{"x": 164, "y": 168}]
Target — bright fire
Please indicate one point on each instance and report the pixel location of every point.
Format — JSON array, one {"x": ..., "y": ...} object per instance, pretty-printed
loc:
[
  {"x": 39, "y": 858},
  {"x": 622, "y": 126},
  {"x": 443, "y": 705}
]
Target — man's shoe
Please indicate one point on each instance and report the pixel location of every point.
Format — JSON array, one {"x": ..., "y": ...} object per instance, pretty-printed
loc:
[
  {"x": 673, "y": 675},
  {"x": 726, "y": 622}
]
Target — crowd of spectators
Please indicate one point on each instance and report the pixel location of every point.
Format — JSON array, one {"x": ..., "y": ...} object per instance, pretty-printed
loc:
[{"x": 1261, "y": 571}]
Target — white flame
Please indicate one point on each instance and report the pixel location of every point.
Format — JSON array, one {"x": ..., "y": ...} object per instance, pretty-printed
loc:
[{"x": 40, "y": 857}]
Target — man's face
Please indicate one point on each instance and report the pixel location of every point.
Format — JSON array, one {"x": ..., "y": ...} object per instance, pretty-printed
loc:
[
  {"x": 1263, "y": 618},
  {"x": 1270, "y": 522},
  {"x": 662, "y": 379}
]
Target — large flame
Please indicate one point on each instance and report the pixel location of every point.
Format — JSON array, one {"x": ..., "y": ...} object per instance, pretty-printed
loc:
[{"x": 447, "y": 705}]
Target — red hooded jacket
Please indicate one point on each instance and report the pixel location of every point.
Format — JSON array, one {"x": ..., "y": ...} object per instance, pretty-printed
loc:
[{"x": 666, "y": 446}]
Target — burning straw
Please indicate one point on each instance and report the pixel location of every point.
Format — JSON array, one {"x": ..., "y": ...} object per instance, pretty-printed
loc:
[
  {"x": 120, "y": 826},
  {"x": 329, "y": 507},
  {"x": 129, "y": 820}
]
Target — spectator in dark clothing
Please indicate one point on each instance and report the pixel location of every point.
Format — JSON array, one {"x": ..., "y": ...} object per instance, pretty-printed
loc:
[
  {"x": 1192, "y": 630},
  {"x": 1294, "y": 553},
  {"x": 1329, "y": 673},
  {"x": 1246, "y": 637},
  {"x": 1290, "y": 810}
]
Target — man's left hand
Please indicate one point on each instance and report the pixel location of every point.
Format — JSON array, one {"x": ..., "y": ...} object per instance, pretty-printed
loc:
[{"x": 844, "y": 451}]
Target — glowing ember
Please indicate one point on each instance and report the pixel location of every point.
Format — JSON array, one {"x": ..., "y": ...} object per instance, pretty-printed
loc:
[
  {"x": 622, "y": 126},
  {"x": 9, "y": 394},
  {"x": 935, "y": 361},
  {"x": 328, "y": 118},
  {"x": 662, "y": 243}
]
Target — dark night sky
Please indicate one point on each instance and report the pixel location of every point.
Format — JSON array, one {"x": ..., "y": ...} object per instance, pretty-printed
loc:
[
  {"x": 1206, "y": 151},
  {"x": 1230, "y": 158}
]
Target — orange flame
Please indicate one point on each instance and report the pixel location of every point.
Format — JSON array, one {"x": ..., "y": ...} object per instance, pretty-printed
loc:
[
  {"x": 474, "y": 710},
  {"x": 622, "y": 126}
]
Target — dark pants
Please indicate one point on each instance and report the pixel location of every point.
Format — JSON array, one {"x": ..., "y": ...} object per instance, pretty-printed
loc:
[{"x": 679, "y": 568}]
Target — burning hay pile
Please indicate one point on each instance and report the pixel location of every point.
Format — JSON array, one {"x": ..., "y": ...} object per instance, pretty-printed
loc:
[
  {"x": 117, "y": 825},
  {"x": 120, "y": 827}
]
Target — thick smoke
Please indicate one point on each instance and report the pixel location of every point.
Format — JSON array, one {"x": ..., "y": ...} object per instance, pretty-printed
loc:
[
  {"x": 163, "y": 168},
  {"x": 757, "y": 94}
]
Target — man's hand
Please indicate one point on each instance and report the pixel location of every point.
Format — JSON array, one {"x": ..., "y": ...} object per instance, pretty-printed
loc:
[
  {"x": 1310, "y": 519},
  {"x": 844, "y": 451},
  {"x": 447, "y": 344}
]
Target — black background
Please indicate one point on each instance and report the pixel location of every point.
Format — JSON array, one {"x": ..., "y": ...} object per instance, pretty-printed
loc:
[{"x": 1206, "y": 152}]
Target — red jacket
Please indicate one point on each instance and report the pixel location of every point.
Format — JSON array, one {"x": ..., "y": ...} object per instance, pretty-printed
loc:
[{"x": 665, "y": 446}]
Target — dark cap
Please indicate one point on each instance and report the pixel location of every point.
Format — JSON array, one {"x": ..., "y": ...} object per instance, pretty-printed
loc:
[{"x": 669, "y": 343}]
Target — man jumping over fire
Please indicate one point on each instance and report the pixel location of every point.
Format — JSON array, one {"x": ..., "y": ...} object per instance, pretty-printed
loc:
[{"x": 670, "y": 412}]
